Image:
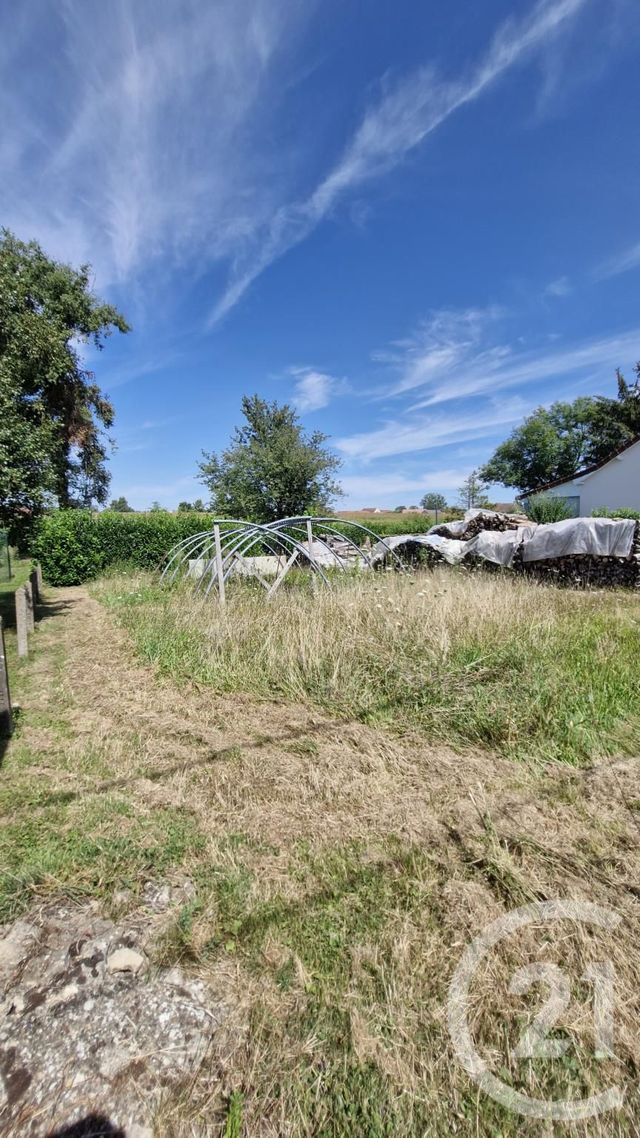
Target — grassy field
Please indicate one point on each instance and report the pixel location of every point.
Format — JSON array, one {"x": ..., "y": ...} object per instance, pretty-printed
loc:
[
  {"x": 294, "y": 762},
  {"x": 529, "y": 671},
  {"x": 389, "y": 522}
]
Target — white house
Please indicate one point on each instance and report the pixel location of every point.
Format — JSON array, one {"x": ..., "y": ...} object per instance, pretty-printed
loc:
[{"x": 613, "y": 483}]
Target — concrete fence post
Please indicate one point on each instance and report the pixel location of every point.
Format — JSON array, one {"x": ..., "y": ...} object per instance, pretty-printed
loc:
[
  {"x": 219, "y": 564},
  {"x": 31, "y": 621},
  {"x": 22, "y": 621},
  {"x": 6, "y": 715},
  {"x": 39, "y": 580},
  {"x": 35, "y": 588}
]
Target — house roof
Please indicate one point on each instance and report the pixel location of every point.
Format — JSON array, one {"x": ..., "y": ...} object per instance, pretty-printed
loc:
[{"x": 582, "y": 473}]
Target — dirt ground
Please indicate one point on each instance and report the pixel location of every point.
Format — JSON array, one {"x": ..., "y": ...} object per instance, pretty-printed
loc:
[{"x": 97, "y": 724}]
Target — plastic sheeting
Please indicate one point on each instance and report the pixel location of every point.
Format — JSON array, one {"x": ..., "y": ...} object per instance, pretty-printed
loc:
[
  {"x": 453, "y": 551},
  {"x": 498, "y": 546},
  {"x": 597, "y": 537}
]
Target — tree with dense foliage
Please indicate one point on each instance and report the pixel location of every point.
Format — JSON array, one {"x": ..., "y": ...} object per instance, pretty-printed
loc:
[
  {"x": 272, "y": 469},
  {"x": 433, "y": 501},
  {"x": 472, "y": 494},
  {"x": 553, "y": 443},
  {"x": 156, "y": 508},
  {"x": 52, "y": 413},
  {"x": 121, "y": 506},
  {"x": 197, "y": 507}
]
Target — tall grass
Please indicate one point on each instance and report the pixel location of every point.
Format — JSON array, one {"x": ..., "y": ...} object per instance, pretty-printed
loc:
[{"x": 524, "y": 669}]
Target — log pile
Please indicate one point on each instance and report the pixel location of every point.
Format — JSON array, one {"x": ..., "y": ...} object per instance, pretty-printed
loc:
[
  {"x": 464, "y": 531},
  {"x": 453, "y": 544},
  {"x": 584, "y": 570}
]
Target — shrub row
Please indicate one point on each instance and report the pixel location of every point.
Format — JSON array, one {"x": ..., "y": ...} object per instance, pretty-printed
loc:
[{"x": 73, "y": 546}]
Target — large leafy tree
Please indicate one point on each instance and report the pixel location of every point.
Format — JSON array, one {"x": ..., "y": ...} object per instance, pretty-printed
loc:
[
  {"x": 52, "y": 413},
  {"x": 272, "y": 469},
  {"x": 554, "y": 442}
]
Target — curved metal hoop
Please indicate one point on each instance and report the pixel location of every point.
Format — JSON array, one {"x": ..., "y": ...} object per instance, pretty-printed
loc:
[{"x": 210, "y": 558}]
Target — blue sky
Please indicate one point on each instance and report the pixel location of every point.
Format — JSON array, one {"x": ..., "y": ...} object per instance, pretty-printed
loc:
[{"x": 416, "y": 221}]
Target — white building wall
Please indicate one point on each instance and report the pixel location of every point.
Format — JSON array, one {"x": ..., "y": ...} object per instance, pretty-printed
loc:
[{"x": 615, "y": 486}]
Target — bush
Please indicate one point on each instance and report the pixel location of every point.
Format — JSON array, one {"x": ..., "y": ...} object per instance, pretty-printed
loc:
[
  {"x": 73, "y": 546},
  {"x": 603, "y": 512},
  {"x": 67, "y": 545},
  {"x": 544, "y": 508}
]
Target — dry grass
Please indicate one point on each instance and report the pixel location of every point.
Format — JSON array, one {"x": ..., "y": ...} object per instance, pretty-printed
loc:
[
  {"x": 527, "y": 670},
  {"x": 340, "y": 870}
]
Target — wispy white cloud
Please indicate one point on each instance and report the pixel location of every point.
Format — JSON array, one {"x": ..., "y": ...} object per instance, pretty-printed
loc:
[
  {"x": 441, "y": 343},
  {"x": 148, "y": 149},
  {"x": 426, "y": 432},
  {"x": 448, "y": 376},
  {"x": 405, "y": 115},
  {"x": 502, "y": 367},
  {"x": 623, "y": 262},
  {"x": 559, "y": 287},
  {"x": 313, "y": 389},
  {"x": 151, "y": 150},
  {"x": 455, "y": 355},
  {"x": 386, "y": 489}
]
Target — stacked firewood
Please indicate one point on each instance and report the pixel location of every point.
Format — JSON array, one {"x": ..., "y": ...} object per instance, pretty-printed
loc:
[
  {"x": 585, "y": 570},
  {"x": 577, "y": 570},
  {"x": 464, "y": 531}
]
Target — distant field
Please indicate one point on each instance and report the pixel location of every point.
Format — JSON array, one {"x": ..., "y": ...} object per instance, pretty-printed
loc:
[
  {"x": 386, "y": 515},
  {"x": 389, "y": 522}
]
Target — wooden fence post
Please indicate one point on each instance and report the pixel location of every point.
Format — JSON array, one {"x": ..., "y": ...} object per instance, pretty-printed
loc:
[
  {"x": 6, "y": 715},
  {"x": 39, "y": 580},
  {"x": 22, "y": 623},
  {"x": 31, "y": 622},
  {"x": 219, "y": 565},
  {"x": 35, "y": 588}
]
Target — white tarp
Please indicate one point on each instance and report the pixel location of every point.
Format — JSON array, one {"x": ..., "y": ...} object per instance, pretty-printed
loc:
[
  {"x": 498, "y": 546},
  {"x": 453, "y": 551},
  {"x": 600, "y": 537}
]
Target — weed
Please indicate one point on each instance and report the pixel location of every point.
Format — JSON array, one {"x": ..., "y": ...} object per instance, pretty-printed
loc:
[{"x": 233, "y": 1122}]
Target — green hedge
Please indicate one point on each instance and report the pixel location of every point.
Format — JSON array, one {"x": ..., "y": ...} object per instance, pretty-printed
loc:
[{"x": 73, "y": 546}]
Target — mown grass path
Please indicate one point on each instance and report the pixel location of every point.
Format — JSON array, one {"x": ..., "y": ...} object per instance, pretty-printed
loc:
[{"x": 338, "y": 872}]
